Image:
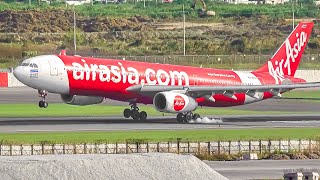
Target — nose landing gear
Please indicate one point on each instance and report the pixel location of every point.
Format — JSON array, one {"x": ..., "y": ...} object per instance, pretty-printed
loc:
[
  {"x": 43, "y": 103},
  {"x": 134, "y": 113}
]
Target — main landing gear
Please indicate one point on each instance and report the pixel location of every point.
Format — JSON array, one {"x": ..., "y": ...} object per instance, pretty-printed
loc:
[
  {"x": 43, "y": 94},
  {"x": 134, "y": 113},
  {"x": 186, "y": 117}
]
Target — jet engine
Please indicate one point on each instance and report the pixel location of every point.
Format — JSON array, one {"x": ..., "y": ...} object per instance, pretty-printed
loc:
[
  {"x": 174, "y": 102},
  {"x": 81, "y": 100}
]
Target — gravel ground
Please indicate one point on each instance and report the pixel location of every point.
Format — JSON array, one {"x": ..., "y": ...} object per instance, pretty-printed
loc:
[{"x": 111, "y": 166}]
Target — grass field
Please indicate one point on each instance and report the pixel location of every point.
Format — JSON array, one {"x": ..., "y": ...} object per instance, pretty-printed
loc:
[
  {"x": 307, "y": 93},
  {"x": 157, "y": 136}
]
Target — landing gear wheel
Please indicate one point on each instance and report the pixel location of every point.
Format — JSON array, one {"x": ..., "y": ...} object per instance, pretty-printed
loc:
[
  {"x": 43, "y": 94},
  {"x": 196, "y": 116},
  {"x": 127, "y": 113},
  {"x": 143, "y": 116},
  {"x": 188, "y": 117},
  {"x": 180, "y": 117},
  {"x": 135, "y": 115},
  {"x": 40, "y": 104},
  {"x": 43, "y": 104}
]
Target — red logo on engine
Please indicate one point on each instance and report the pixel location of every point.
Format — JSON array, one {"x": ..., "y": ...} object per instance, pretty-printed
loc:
[{"x": 178, "y": 103}]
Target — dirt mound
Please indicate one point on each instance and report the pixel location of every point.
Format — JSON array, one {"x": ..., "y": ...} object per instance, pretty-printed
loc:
[
  {"x": 58, "y": 20},
  {"x": 35, "y": 21},
  {"x": 99, "y": 24},
  {"x": 107, "y": 166}
]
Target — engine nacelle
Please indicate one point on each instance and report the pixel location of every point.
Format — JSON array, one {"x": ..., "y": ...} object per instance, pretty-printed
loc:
[
  {"x": 81, "y": 100},
  {"x": 173, "y": 102}
]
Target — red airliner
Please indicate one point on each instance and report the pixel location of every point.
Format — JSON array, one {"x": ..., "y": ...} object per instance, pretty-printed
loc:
[{"x": 170, "y": 88}]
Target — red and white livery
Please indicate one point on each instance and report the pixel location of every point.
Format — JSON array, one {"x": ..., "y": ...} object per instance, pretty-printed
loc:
[{"x": 170, "y": 88}]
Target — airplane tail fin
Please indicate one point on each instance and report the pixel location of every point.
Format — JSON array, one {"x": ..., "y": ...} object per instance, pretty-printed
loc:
[{"x": 286, "y": 60}]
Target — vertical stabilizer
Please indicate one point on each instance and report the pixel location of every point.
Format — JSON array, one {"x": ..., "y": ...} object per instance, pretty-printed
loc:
[{"x": 286, "y": 60}]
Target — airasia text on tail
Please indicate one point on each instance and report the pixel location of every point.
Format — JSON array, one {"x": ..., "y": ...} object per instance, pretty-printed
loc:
[{"x": 286, "y": 60}]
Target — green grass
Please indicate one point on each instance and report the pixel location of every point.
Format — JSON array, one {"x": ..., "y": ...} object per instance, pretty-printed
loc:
[
  {"x": 59, "y": 110},
  {"x": 161, "y": 136},
  {"x": 310, "y": 93}
]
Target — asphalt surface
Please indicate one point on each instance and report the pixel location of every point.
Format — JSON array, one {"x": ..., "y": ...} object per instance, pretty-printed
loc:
[
  {"x": 65, "y": 124},
  {"x": 28, "y": 95},
  {"x": 261, "y": 169}
]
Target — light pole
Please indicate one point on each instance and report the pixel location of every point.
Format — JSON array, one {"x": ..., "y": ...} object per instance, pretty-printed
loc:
[
  {"x": 74, "y": 32},
  {"x": 184, "y": 31},
  {"x": 292, "y": 14}
]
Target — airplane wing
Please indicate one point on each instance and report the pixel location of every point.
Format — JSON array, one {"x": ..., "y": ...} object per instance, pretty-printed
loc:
[{"x": 200, "y": 91}]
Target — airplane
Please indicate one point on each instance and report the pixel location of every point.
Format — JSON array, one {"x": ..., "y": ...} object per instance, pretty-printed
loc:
[{"x": 170, "y": 88}]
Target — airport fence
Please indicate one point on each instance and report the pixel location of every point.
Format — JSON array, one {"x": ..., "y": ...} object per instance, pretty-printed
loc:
[{"x": 196, "y": 148}]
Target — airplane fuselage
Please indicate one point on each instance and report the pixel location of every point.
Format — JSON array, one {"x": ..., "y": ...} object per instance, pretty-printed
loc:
[{"x": 75, "y": 75}]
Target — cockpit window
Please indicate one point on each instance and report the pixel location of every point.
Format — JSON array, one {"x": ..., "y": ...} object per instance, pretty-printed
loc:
[{"x": 33, "y": 65}]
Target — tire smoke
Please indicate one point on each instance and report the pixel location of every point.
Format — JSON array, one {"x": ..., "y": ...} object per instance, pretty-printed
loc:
[{"x": 206, "y": 120}]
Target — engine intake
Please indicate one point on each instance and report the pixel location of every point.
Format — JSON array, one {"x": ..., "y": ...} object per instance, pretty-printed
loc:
[
  {"x": 81, "y": 100},
  {"x": 173, "y": 102}
]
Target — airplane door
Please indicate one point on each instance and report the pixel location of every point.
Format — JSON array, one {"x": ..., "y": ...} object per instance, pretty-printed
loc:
[
  {"x": 195, "y": 80},
  {"x": 53, "y": 68}
]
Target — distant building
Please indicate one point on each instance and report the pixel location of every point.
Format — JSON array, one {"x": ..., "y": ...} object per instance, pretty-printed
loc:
[
  {"x": 256, "y": 1},
  {"x": 78, "y": 2}
]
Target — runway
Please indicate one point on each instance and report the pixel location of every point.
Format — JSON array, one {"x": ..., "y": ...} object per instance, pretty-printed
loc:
[
  {"x": 76, "y": 124},
  {"x": 43, "y": 124}
]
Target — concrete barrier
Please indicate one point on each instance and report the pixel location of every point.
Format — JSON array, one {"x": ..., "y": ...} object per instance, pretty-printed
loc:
[
  {"x": 13, "y": 81},
  {"x": 308, "y": 75},
  {"x": 7, "y": 79},
  {"x": 3, "y": 79}
]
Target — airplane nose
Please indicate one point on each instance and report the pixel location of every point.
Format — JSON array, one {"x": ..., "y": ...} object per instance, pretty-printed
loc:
[{"x": 19, "y": 73}]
